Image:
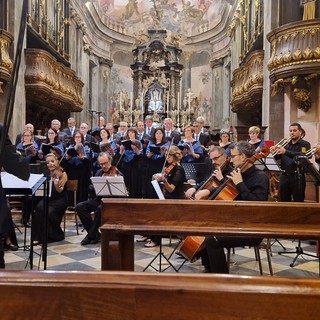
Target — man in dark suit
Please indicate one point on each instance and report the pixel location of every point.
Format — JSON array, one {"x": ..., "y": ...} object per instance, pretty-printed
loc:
[
  {"x": 169, "y": 132},
  {"x": 199, "y": 136},
  {"x": 201, "y": 122},
  {"x": 71, "y": 127},
  {"x": 149, "y": 129},
  {"x": 13, "y": 163},
  {"x": 63, "y": 138},
  {"x": 110, "y": 127},
  {"x": 84, "y": 128}
]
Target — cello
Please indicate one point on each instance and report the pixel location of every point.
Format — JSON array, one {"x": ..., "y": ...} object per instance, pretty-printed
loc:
[{"x": 192, "y": 246}]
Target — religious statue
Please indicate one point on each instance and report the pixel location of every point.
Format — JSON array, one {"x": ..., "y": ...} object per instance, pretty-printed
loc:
[
  {"x": 155, "y": 102},
  {"x": 184, "y": 118},
  {"x": 185, "y": 103},
  {"x": 173, "y": 102},
  {"x": 137, "y": 103},
  {"x": 136, "y": 115},
  {"x": 173, "y": 115},
  {"x": 155, "y": 116},
  {"x": 126, "y": 116},
  {"x": 115, "y": 117}
]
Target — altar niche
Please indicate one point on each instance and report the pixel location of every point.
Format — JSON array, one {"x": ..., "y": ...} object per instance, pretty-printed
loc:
[{"x": 156, "y": 75}]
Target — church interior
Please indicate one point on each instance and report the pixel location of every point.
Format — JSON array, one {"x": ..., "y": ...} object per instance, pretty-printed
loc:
[{"x": 235, "y": 64}]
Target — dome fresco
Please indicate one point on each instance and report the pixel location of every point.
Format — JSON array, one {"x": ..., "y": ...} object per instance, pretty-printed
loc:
[{"x": 189, "y": 18}]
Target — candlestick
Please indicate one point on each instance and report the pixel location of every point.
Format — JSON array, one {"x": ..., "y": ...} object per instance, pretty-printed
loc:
[{"x": 131, "y": 107}]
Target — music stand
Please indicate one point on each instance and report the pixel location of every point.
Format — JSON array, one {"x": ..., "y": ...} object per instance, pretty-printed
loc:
[
  {"x": 304, "y": 163},
  {"x": 268, "y": 163},
  {"x": 109, "y": 186},
  {"x": 15, "y": 186},
  {"x": 160, "y": 255}
]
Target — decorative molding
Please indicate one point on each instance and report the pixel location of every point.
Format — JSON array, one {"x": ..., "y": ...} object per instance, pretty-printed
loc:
[
  {"x": 247, "y": 83},
  {"x": 295, "y": 50},
  {"x": 6, "y": 64},
  {"x": 50, "y": 83}
]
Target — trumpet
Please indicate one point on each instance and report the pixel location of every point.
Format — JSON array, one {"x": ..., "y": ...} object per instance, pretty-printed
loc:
[
  {"x": 312, "y": 151},
  {"x": 282, "y": 143}
]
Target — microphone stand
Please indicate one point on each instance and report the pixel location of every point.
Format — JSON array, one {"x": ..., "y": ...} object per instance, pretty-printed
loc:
[{"x": 98, "y": 113}]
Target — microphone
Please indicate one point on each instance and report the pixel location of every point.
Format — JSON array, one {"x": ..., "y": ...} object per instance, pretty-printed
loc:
[{"x": 90, "y": 110}]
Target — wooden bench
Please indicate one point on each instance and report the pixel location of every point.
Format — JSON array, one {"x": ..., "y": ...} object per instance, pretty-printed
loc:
[
  {"x": 123, "y": 218},
  {"x": 141, "y": 296}
]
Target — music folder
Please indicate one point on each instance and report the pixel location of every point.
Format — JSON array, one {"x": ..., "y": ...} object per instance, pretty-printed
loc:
[
  {"x": 109, "y": 186},
  {"x": 157, "y": 189}
]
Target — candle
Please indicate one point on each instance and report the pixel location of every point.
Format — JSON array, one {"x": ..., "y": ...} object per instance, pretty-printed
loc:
[{"x": 131, "y": 106}]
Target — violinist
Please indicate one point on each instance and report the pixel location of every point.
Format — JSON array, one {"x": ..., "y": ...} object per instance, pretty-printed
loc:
[
  {"x": 252, "y": 185},
  {"x": 221, "y": 168},
  {"x": 173, "y": 179},
  {"x": 57, "y": 203},
  {"x": 173, "y": 176},
  {"x": 85, "y": 208}
]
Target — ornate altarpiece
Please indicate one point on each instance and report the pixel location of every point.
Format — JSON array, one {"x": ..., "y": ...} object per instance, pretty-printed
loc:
[{"x": 157, "y": 76}]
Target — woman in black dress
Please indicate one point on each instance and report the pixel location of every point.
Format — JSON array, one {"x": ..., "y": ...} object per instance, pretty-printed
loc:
[{"x": 57, "y": 204}]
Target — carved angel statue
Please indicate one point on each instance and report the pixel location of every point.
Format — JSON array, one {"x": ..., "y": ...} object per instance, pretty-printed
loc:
[
  {"x": 136, "y": 115},
  {"x": 173, "y": 115}
]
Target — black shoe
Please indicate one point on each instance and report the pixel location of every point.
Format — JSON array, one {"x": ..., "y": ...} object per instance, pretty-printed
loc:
[
  {"x": 206, "y": 270},
  {"x": 11, "y": 247},
  {"x": 86, "y": 241}
]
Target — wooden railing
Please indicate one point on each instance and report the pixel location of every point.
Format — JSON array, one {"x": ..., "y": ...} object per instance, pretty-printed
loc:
[
  {"x": 139, "y": 296},
  {"x": 123, "y": 218}
]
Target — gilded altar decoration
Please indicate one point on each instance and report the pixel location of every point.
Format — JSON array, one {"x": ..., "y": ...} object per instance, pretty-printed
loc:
[
  {"x": 295, "y": 49},
  {"x": 247, "y": 83},
  {"x": 6, "y": 64},
  {"x": 303, "y": 98}
]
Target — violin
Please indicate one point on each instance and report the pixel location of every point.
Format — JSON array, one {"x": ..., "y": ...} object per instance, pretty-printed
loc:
[
  {"x": 168, "y": 170},
  {"x": 57, "y": 173}
]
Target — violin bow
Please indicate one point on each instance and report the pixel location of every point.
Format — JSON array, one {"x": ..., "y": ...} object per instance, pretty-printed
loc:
[{"x": 166, "y": 157}]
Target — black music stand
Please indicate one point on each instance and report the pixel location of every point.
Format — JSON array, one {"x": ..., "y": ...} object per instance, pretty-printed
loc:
[
  {"x": 268, "y": 163},
  {"x": 15, "y": 186},
  {"x": 303, "y": 163},
  {"x": 109, "y": 186}
]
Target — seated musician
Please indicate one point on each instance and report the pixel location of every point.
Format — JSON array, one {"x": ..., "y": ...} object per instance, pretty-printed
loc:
[
  {"x": 57, "y": 203},
  {"x": 173, "y": 182},
  {"x": 85, "y": 208},
  {"x": 222, "y": 167},
  {"x": 251, "y": 184}
]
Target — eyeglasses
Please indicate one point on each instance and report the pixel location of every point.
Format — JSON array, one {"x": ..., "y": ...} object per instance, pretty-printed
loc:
[
  {"x": 104, "y": 163},
  {"x": 216, "y": 158},
  {"x": 234, "y": 155}
]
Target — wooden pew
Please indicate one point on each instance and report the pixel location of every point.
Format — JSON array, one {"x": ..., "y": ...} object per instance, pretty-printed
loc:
[
  {"x": 141, "y": 296},
  {"x": 123, "y": 218}
]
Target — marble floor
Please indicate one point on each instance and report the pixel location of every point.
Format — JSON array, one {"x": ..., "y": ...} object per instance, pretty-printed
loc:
[{"x": 70, "y": 255}]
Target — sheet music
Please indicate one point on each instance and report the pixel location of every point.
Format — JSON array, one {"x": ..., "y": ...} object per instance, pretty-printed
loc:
[
  {"x": 9, "y": 181},
  {"x": 109, "y": 186},
  {"x": 157, "y": 189}
]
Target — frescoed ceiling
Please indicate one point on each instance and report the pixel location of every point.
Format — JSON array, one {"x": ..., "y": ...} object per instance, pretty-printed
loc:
[{"x": 186, "y": 17}]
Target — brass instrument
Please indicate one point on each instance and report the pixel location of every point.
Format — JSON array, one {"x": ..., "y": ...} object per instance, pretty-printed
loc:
[
  {"x": 282, "y": 143},
  {"x": 312, "y": 151}
]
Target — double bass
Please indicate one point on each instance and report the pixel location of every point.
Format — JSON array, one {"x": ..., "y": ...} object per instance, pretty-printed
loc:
[{"x": 192, "y": 246}]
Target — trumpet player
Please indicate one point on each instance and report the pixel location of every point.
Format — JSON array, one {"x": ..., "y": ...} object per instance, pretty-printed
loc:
[{"x": 292, "y": 180}]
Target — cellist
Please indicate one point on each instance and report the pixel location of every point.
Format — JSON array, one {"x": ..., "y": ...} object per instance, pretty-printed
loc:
[
  {"x": 221, "y": 168},
  {"x": 252, "y": 184}
]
